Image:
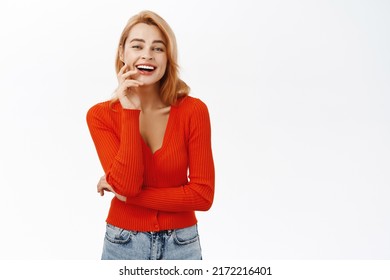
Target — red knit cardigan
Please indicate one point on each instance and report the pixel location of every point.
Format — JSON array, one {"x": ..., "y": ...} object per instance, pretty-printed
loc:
[{"x": 164, "y": 188}]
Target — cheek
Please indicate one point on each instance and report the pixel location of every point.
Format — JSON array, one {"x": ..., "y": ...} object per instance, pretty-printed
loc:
[
  {"x": 164, "y": 65},
  {"x": 164, "y": 69},
  {"x": 128, "y": 57}
]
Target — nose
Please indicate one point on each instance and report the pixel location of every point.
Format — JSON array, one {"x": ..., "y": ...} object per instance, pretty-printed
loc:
[{"x": 147, "y": 55}]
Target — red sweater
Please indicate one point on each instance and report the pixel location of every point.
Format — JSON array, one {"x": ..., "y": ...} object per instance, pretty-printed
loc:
[{"x": 165, "y": 188}]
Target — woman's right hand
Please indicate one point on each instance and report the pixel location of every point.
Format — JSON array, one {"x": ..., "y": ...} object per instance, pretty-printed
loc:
[{"x": 127, "y": 97}]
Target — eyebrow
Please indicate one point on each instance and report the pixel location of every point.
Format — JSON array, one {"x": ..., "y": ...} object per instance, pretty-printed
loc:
[{"x": 143, "y": 41}]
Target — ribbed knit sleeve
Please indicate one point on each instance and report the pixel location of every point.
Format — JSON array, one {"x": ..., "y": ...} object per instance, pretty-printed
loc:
[
  {"x": 121, "y": 157},
  {"x": 198, "y": 193}
]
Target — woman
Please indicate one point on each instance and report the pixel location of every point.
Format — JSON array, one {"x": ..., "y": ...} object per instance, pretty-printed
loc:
[{"x": 154, "y": 143}]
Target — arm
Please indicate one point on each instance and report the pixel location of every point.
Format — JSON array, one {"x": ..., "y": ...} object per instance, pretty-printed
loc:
[
  {"x": 198, "y": 194},
  {"x": 121, "y": 158}
]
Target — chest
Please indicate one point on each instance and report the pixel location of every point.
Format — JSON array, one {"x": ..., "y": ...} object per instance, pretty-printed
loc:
[{"x": 153, "y": 127}]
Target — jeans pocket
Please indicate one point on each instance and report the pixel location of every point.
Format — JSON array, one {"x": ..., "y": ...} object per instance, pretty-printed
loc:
[
  {"x": 118, "y": 235},
  {"x": 186, "y": 236}
]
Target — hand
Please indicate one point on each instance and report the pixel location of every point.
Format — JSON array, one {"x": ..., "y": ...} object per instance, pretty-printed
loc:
[
  {"x": 103, "y": 186},
  {"x": 127, "y": 97}
]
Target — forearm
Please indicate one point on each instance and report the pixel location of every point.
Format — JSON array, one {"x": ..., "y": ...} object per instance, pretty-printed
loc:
[
  {"x": 191, "y": 197},
  {"x": 126, "y": 172},
  {"x": 121, "y": 157}
]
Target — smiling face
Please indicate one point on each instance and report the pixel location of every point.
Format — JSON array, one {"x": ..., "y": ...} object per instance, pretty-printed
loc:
[{"x": 145, "y": 50}]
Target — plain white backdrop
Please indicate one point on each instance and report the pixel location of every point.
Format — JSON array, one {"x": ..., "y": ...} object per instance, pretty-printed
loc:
[{"x": 298, "y": 93}]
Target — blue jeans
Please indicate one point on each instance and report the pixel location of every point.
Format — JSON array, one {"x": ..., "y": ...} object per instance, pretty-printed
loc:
[{"x": 178, "y": 244}]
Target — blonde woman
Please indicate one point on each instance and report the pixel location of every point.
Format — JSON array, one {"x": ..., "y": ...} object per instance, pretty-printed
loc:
[{"x": 154, "y": 144}]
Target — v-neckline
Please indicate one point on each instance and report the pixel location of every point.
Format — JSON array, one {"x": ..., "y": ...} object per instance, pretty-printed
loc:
[{"x": 166, "y": 136}]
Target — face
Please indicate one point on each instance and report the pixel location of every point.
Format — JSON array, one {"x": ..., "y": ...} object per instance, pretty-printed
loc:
[{"x": 145, "y": 50}]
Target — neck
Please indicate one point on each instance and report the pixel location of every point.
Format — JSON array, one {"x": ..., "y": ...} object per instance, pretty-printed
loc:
[{"x": 150, "y": 97}]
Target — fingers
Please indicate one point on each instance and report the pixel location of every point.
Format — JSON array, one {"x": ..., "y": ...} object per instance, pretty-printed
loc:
[
  {"x": 129, "y": 73},
  {"x": 103, "y": 186},
  {"x": 127, "y": 97},
  {"x": 102, "y": 190},
  {"x": 127, "y": 84},
  {"x": 132, "y": 83},
  {"x": 125, "y": 72},
  {"x": 125, "y": 80},
  {"x": 123, "y": 69}
]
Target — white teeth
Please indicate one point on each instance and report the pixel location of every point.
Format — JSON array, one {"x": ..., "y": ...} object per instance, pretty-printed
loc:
[{"x": 145, "y": 67}]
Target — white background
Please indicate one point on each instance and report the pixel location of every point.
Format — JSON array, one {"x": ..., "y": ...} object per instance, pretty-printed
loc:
[{"x": 298, "y": 93}]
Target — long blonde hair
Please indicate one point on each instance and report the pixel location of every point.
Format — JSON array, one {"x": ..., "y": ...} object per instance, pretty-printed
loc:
[{"x": 171, "y": 86}]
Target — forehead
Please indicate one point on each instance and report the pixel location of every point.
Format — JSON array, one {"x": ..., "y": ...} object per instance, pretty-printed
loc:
[{"x": 146, "y": 32}]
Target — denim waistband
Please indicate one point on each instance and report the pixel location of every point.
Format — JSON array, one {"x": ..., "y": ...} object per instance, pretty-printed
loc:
[{"x": 161, "y": 232}]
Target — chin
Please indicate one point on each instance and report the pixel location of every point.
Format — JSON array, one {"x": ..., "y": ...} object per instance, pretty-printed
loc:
[{"x": 148, "y": 83}]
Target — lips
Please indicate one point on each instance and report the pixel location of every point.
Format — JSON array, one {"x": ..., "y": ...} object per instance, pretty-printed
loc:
[{"x": 145, "y": 68}]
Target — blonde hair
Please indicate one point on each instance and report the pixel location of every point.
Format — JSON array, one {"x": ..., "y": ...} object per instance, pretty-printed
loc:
[{"x": 171, "y": 86}]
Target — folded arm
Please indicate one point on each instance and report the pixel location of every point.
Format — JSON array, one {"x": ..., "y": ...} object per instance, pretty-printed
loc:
[{"x": 120, "y": 156}]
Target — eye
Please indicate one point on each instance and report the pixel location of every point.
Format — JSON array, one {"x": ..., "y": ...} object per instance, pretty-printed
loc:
[
  {"x": 137, "y": 47},
  {"x": 158, "y": 49}
]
